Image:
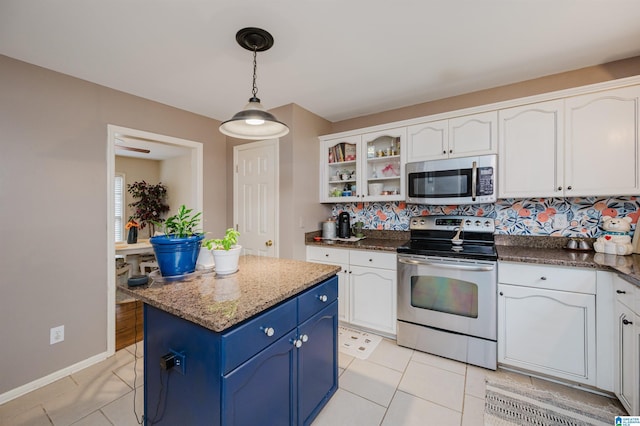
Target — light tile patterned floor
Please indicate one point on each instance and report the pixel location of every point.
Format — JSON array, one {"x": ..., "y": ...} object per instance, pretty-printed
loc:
[{"x": 395, "y": 386}]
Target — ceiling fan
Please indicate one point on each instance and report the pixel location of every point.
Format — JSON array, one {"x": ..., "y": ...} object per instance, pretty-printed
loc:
[{"x": 120, "y": 147}]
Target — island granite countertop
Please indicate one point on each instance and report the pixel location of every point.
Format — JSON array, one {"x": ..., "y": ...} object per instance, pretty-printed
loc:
[{"x": 219, "y": 302}]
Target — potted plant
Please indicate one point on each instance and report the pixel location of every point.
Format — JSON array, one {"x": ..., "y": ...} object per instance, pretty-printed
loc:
[
  {"x": 150, "y": 205},
  {"x": 177, "y": 250},
  {"x": 226, "y": 252}
]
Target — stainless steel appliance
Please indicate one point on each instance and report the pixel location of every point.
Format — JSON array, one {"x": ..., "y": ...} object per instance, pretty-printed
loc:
[
  {"x": 466, "y": 180},
  {"x": 447, "y": 289},
  {"x": 344, "y": 225}
]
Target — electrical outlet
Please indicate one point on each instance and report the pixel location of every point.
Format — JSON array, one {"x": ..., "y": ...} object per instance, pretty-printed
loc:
[
  {"x": 560, "y": 221},
  {"x": 180, "y": 362},
  {"x": 56, "y": 335}
]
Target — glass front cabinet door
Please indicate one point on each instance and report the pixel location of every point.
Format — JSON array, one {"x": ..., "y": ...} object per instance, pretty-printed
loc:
[
  {"x": 367, "y": 167},
  {"x": 339, "y": 159},
  {"x": 383, "y": 165}
]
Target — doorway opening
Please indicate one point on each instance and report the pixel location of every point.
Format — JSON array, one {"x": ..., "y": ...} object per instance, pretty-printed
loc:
[{"x": 181, "y": 171}]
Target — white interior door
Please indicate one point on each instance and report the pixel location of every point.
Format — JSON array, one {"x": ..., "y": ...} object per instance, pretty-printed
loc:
[{"x": 255, "y": 196}]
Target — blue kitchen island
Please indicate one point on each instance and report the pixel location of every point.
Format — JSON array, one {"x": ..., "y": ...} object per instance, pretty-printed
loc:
[{"x": 253, "y": 348}]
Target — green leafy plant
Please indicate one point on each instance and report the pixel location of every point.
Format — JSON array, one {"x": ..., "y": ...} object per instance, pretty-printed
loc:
[
  {"x": 150, "y": 206},
  {"x": 184, "y": 224},
  {"x": 229, "y": 240}
]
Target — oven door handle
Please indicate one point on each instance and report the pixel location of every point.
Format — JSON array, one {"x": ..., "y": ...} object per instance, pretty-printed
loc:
[{"x": 446, "y": 265}]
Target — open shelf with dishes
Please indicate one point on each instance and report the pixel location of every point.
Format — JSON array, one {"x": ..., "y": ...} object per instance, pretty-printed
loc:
[{"x": 366, "y": 167}]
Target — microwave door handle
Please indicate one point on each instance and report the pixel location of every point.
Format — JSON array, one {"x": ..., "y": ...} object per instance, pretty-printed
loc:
[
  {"x": 445, "y": 265},
  {"x": 474, "y": 180}
]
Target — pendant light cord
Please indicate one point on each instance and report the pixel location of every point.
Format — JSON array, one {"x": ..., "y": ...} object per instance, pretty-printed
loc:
[{"x": 254, "y": 91}]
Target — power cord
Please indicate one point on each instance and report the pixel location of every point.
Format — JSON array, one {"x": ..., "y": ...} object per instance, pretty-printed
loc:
[{"x": 140, "y": 419}]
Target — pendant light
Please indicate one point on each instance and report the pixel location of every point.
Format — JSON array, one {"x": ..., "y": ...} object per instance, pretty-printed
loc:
[{"x": 254, "y": 122}]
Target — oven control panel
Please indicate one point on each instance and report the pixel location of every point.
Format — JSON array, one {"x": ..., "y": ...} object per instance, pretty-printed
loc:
[{"x": 451, "y": 223}]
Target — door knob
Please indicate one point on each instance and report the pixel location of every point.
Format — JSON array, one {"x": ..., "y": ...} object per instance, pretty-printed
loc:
[{"x": 269, "y": 243}]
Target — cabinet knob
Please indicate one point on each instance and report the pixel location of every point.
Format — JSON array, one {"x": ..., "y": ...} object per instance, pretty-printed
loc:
[
  {"x": 450, "y": 151},
  {"x": 559, "y": 188},
  {"x": 627, "y": 322},
  {"x": 370, "y": 260},
  {"x": 268, "y": 243},
  {"x": 621, "y": 292},
  {"x": 326, "y": 255},
  {"x": 304, "y": 338},
  {"x": 269, "y": 331},
  {"x": 297, "y": 343},
  {"x": 323, "y": 297},
  {"x": 444, "y": 152},
  {"x": 543, "y": 278},
  {"x": 501, "y": 294},
  {"x": 569, "y": 188}
]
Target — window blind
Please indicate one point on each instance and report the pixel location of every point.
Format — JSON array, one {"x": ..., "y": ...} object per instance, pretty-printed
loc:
[{"x": 118, "y": 189}]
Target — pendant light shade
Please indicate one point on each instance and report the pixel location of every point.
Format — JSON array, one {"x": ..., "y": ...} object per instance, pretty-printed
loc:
[{"x": 254, "y": 122}]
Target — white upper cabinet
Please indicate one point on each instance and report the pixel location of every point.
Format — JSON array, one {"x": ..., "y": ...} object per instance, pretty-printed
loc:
[
  {"x": 580, "y": 146},
  {"x": 583, "y": 145},
  {"x": 475, "y": 134},
  {"x": 531, "y": 151},
  {"x": 428, "y": 141},
  {"x": 469, "y": 135},
  {"x": 340, "y": 169},
  {"x": 368, "y": 167},
  {"x": 601, "y": 143},
  {"x": 383, "y": 165}
]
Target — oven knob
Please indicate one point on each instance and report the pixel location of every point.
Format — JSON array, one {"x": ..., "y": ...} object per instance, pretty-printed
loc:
[
  {"x": 477, "y": 223},
  {"x": 487, "y": 224},
  {"x": 468, "y": 222}
]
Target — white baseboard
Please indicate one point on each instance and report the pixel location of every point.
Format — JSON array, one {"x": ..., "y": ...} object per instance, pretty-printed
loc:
[{"x": 37, "y": 384}]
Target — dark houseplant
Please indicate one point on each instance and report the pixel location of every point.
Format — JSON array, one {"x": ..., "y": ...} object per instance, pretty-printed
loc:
[
  {"x": 177, "y": 250},
  {"x": 150, "y": 205}
]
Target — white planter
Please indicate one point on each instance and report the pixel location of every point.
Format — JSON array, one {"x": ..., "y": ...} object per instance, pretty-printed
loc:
[
  {"x": 226, "y": 260},
  {"x": 205, "y": 260}
]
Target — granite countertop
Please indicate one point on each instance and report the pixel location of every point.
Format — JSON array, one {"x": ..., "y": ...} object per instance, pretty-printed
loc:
[
  {"x": 380, "y": 240},
  {"x": 219, "y": 302},
  {"x": 542, "y": 250}
]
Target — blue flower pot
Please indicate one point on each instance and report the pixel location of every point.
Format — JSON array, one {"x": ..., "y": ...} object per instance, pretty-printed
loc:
[{"x": 176, "y": 256}]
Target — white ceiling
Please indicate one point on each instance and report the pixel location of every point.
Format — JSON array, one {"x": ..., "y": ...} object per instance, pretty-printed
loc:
[{"x": 339, "y": 59}]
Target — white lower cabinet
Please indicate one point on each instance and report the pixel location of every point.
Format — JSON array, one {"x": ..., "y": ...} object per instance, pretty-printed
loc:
[
  {"x": 547, "y": 320},
  {"x": 627, "y": 338},
  {"x": 367, "y": 289}
]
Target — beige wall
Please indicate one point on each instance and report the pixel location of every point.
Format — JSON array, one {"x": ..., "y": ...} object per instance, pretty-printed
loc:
[
  {"x": 136, "y": 170},
  {"x": 300, "y": 210},
  {"x": 180, "y": 188},
  {"x": 53, "y": 210},
  {"x": 582, "y": 77}
]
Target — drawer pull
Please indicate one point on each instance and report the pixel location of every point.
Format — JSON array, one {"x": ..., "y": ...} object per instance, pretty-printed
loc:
[
  {"x": 297, "y": 343},
  {"x": 304, "y": 338},
  {"x": 621, "y": 292},
  {"x": 543, "y": 278},
  {"x": 323, "y": 297},
  {"x": 269, "y": 331},
  {"x": 627, "y": 322}
]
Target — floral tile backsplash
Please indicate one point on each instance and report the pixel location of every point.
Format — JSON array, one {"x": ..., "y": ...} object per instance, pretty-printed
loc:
[{"x": 531, "y": 216}]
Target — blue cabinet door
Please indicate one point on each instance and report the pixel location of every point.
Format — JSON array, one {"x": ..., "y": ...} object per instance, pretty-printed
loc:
[
  {"x": 262, "y": 391},
  {"x": 317, "y": 362}
]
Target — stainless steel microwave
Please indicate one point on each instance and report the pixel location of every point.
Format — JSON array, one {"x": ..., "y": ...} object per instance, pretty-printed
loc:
[{"x": 466, "y": 180}]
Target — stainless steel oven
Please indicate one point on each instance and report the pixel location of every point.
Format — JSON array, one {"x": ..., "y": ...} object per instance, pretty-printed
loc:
[{"x": 447, "y": 289}]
